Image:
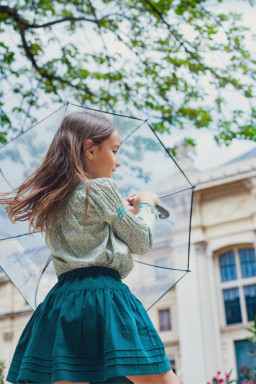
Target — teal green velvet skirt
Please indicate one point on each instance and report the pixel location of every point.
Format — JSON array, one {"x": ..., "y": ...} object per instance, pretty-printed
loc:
[{"x": 90, "y": 327}]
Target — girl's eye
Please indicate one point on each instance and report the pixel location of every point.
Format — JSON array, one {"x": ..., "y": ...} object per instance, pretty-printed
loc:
[{"x": 115, "y": 151}]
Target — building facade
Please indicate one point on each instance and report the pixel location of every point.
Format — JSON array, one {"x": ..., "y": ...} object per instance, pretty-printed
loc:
[
  {"x": 211, "y": 304},
  {"x": 200, "y": 319}
]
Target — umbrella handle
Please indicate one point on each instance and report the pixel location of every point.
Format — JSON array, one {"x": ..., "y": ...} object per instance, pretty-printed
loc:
[{"x": 163, "y": 213}]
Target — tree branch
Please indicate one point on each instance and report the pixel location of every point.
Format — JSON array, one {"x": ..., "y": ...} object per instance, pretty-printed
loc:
[
  {"x": 20, "y": 20},
  {"x": 187, "y": 50},
  {"x": 70, "y": 18},
  {"x": 23, "y": 26},
  {"x": 34, "y": 26},
  {"x": 14, "y": 14}
]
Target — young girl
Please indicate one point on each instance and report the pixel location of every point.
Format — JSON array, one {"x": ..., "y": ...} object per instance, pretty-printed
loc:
[{"x": 90, "y": 327}]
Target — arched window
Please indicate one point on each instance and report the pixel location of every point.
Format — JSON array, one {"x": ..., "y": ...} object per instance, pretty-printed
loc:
[{"x": 238, "y": 284}]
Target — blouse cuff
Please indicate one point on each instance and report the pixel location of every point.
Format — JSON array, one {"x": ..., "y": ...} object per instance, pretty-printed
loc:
[
  {"x": 150, "y": 208},
  {"x": 146, "y": 207}
]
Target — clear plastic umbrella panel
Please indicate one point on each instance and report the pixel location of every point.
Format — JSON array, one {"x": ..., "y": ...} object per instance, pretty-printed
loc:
[{"x": 146, "y": 165}]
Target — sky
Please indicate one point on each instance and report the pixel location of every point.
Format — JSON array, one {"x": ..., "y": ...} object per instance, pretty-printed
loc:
[{"x": 209, "y": 155}]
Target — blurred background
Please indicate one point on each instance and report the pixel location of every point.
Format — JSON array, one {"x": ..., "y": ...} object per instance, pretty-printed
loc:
[{"x": 189, "y": 67}]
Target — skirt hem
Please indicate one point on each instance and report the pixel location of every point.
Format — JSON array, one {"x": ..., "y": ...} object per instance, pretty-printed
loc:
[{"x": 36, "y": 377}]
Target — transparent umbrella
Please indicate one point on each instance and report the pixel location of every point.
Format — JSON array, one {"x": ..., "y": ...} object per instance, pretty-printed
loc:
[{"x": 146, "y": 165}]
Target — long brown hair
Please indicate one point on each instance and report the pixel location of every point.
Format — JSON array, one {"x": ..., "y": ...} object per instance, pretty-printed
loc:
[{"x": 41, "y": 196}]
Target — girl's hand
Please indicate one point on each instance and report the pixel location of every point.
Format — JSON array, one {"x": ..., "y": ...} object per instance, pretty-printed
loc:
[
  {"x": 129, "y": 207},
  {"x": 146, "y": 197}
]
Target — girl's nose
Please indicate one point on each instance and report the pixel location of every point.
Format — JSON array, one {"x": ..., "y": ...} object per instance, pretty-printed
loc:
[{"x": 118, "y": 163}]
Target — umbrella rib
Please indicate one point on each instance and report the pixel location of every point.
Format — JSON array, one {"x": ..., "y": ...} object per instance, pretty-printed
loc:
[
  {"x": 190, "y": 220},
  {"x": 175, "y": 193},
  {"x": 46, "y": 265},
  {"x": 14, "y": 237},
  {"x": 134, "y": 131},
  {"x": 158, "y": 266},
  {"x": 169, "y": 154},
  {"x": 166, "y": 292},
  {"x": 109, "y": 113},
  {"x": 15, "y": 285},
  {"x": 22, "y": 133},
  {"x": 1, "y": 172}
]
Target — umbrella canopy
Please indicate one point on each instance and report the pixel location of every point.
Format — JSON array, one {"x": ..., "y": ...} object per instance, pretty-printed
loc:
[{"x": 146, "y": 165}]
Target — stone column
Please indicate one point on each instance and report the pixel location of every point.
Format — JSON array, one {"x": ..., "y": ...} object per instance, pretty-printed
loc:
[
  {"x": 251, "y": 185},
  {"x": 253, "y": 189},
  {"x": 198, "y": 326}
]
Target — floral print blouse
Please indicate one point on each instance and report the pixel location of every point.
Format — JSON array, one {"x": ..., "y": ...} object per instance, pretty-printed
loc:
[{"x": 111, "y": 233}]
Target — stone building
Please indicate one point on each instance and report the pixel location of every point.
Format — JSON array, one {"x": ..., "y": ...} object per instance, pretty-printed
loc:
[
  {"x": 204, "y": 313},
  {"x": 200, "y": 319}
]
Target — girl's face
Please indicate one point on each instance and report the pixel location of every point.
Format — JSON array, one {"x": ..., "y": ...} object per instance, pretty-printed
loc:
[{"x": 102, "y": 160}]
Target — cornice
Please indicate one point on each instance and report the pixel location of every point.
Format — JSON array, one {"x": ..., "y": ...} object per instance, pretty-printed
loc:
[
  {"x": 210, "y": 178},
  {"x": 220, "y": 176},
  {"x": 228, "y": 187}
]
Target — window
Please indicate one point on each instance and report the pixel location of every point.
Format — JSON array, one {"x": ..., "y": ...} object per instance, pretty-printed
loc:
[
  {"x": 250, "y": 300},
  {"x": 238, "y": 284},
  {"x": 232, "y": 306},
  {"x": 165, "y": 320},
  {"x": 244, "y": 358},
  {"x": 228, "y": 266},
  {"x": 248, "y": 262}
]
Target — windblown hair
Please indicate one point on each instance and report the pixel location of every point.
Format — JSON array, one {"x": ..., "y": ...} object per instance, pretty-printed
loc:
[{"x": 42, "y": 195}]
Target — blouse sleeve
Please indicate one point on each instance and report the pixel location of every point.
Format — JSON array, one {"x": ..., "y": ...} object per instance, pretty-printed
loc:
[{"x": 136, "y": 231}]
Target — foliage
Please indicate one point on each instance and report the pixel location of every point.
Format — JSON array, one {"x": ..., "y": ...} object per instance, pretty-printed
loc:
[
  {"x": 226, "y": 379},
  {"x": 172, "y": 60},
  {"x": 249, "y": 376}
]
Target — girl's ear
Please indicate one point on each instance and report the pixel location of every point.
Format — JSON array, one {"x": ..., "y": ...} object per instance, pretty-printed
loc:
[{"x": 89, "y": 148}]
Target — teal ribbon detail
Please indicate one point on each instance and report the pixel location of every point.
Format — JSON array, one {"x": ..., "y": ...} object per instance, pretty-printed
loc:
[{"x": 121, "y": 211}]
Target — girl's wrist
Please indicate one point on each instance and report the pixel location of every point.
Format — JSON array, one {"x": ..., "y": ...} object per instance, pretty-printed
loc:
[
  {"x": 141, "y": 203},
  {"x": 146, "y": 202}
]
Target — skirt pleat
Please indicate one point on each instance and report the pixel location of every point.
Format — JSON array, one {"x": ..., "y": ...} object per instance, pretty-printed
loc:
[{"x": 90, "y": 327}]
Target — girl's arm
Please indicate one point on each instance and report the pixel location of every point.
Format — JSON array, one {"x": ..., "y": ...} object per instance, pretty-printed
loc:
[{"x": 136, "y": 231}]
